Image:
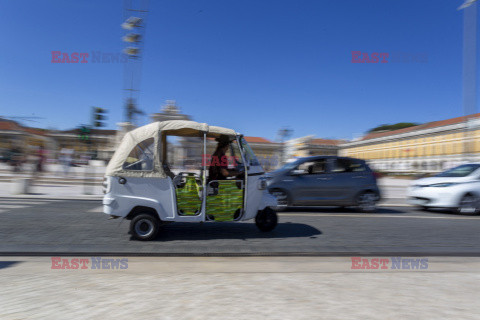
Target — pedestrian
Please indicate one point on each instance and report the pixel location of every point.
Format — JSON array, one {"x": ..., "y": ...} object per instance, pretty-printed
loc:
[
  {"x": 65, "y": 160},
  {"x": 41, "y": 158},
  {"x": 16, "y": 159}
]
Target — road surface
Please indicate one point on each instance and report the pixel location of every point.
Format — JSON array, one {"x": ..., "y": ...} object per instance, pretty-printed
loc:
[{"x": 79, "y": 227}]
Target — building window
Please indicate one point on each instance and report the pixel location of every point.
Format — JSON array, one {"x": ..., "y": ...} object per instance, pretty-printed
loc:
[{"x": 448, "y": 147}]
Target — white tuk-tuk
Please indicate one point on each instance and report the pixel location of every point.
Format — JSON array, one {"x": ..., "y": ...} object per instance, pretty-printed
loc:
[{"x": 140, "y": 185}]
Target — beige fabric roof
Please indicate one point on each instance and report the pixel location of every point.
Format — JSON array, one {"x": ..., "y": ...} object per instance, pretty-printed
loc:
[
  {"x": 154, "y": 130},
  {"x": 218, "y": 131}
]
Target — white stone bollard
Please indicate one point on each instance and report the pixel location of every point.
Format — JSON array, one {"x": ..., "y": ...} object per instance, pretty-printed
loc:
[{"x": 22, "y": 186}]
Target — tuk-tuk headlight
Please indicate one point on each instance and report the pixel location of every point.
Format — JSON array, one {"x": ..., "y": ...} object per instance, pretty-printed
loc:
[{"x": 106, "y": 186}]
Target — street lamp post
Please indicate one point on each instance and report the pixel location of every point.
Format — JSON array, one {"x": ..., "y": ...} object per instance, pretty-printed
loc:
[
  {"x": 469, "y": 8},
  {"x": 134, "y": 39}
]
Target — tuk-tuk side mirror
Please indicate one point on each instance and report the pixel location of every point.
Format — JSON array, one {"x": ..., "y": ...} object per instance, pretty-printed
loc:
[{"x": 297, "y": 172}]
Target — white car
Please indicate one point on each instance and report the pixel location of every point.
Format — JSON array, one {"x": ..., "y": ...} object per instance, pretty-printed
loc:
[{"x": 457, "y": 189}]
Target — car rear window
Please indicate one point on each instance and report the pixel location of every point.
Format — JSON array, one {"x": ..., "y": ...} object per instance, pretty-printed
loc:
[{"x": 314, "y": 167}]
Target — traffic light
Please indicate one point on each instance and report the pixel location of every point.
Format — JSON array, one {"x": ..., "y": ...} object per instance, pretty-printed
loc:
[
  {"x": 84, "y": 134},
  {"x": 98, "y": 117}
]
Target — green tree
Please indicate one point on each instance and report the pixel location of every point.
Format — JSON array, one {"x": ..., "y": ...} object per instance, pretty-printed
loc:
[{"x": 390, "y": 127}]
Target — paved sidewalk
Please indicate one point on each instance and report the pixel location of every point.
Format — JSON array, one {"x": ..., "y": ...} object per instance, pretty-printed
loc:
[
  {"x": 56, "y": 169},
  {"x": 54, "y": 184},
  {"x": 56, "y": 191},
  {"x": 239, "y": 288}
]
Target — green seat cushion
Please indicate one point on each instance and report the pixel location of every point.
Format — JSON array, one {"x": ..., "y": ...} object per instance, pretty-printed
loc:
[
  {"x": 188, "y": 199},
  {"x": 229, "y": 199}
]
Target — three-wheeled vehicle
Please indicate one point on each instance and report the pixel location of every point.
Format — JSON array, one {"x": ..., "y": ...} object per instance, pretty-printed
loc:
[{"x": 140, "y": 184}]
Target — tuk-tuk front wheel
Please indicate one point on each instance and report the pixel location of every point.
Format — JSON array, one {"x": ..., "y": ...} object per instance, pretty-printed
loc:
[
  {"x": 144, "y": 227},
  {"x": 266, "y": 220}
]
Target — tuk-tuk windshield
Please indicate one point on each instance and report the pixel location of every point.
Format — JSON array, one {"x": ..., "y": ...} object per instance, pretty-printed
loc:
[
  {"x": 141, "y": 157},
  {"x": 249, "y": 155}
]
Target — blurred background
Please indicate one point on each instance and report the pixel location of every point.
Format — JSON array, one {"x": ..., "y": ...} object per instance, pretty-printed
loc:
[
  {"x": 415, "y": 148},
  {"x": 88, "y": 73}
]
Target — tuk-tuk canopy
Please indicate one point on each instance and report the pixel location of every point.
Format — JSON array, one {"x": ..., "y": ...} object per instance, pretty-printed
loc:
[{"x": 158, "y": 131}]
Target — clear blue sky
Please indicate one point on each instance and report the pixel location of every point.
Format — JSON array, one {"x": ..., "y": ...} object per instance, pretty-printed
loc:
[{"x": 254, "y": 66}]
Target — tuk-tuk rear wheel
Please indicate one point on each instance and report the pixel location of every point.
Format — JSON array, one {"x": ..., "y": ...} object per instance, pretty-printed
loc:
[
  {"x": 266, "y": 220},
  {"x": 144, "y": 227}
]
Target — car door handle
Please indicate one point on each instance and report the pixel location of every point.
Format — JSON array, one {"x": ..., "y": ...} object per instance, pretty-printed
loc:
[
  {"x": 358, "y": 177},
  {"x": 324, "y": 179}
]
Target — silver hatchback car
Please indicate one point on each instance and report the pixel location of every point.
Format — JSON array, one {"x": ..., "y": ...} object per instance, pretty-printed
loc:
[{"x": 325, "y": 181}]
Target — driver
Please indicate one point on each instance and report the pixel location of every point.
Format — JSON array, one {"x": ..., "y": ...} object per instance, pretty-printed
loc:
[{"x": 218, "y": 169}]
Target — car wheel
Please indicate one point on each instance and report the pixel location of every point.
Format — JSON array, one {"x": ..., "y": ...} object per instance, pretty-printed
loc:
[
  {"x": 469, "y": 204},
  {"x": 367, "y": 202},
  {"x": 144, "y": 227},
  {"x": 266, "y": 220},
  {"x": 282, "y": 199}
]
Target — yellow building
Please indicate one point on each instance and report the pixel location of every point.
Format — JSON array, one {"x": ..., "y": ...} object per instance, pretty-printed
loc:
[
  {"x": 15, "y": 135},
  {"x": 102, "y": 141},
  {"x": 429, "y": 147}
]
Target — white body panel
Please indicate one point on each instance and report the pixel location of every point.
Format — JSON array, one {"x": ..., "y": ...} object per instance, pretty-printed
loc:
[
  {"x": 257, "y": 199},
  {"x": 156, "y": 193}
]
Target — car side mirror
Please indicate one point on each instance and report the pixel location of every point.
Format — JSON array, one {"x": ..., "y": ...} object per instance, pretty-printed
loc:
[{"x": 297, "y": 172}]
